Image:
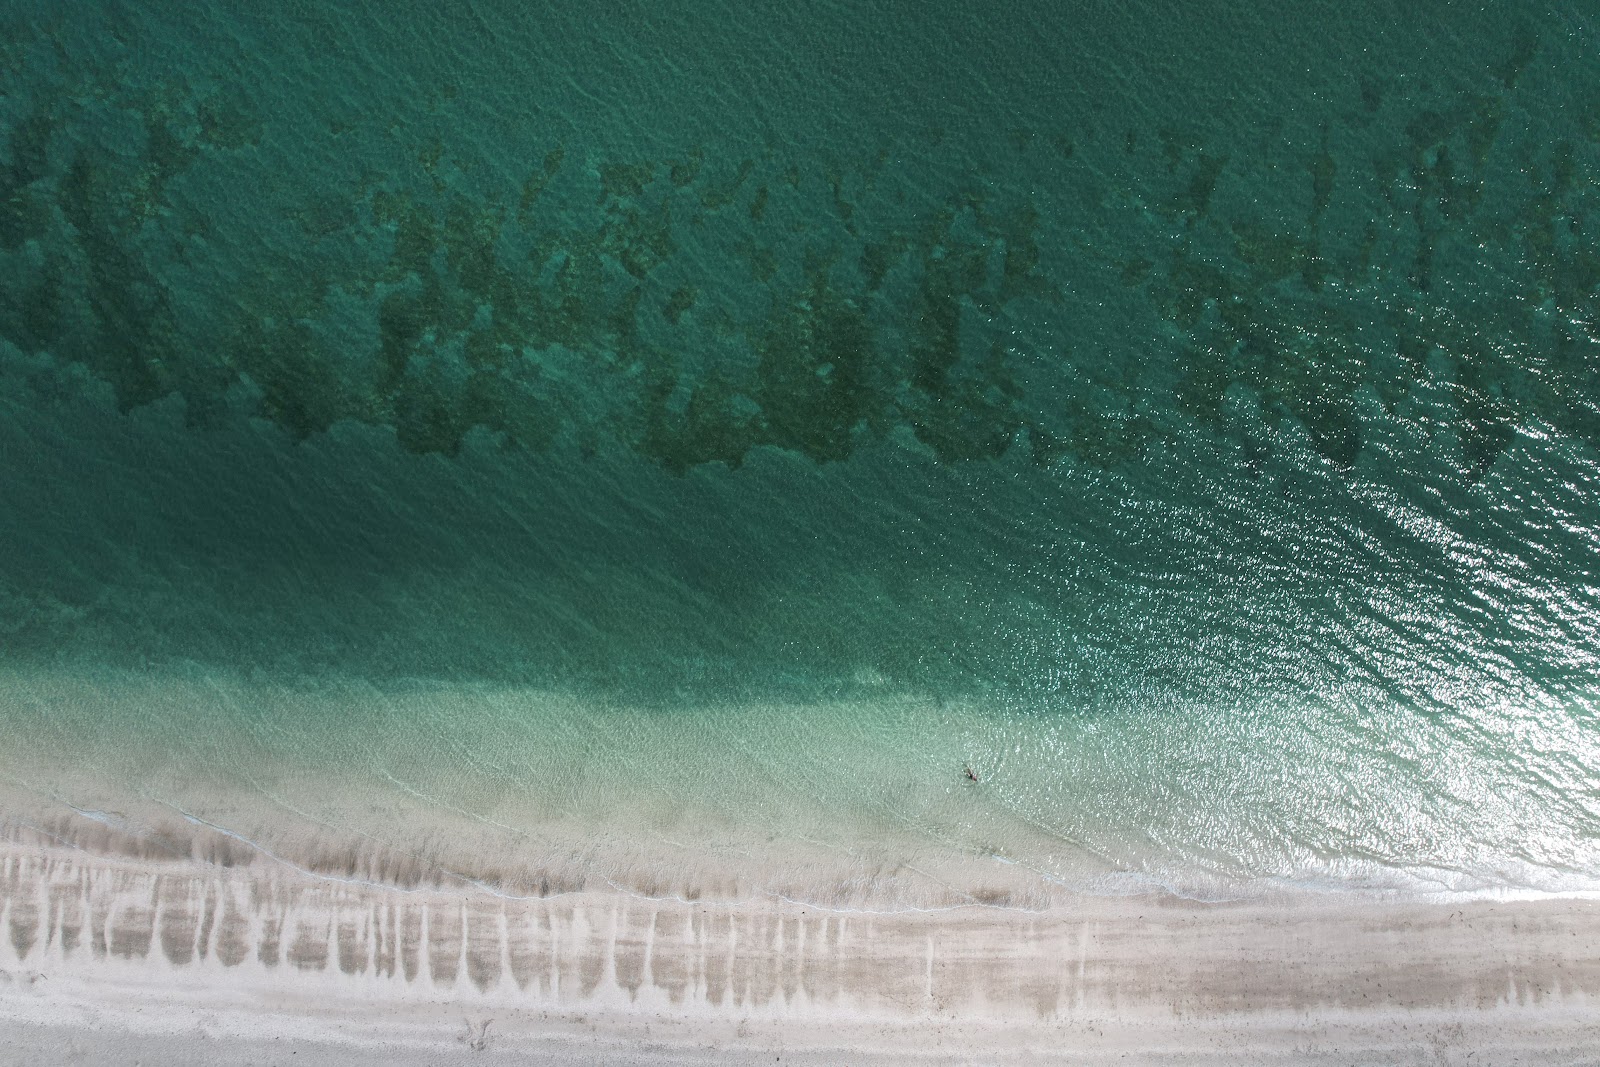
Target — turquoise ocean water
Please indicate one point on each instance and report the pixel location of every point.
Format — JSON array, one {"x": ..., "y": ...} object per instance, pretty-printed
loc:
[{"x": 1184, "y": 416}]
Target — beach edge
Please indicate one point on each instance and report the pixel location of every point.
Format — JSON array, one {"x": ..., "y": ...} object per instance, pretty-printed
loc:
[{"x": 105, "y": 956}]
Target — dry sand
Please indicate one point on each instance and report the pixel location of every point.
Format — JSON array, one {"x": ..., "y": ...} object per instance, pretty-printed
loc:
[{"x": 117, "y": 959}]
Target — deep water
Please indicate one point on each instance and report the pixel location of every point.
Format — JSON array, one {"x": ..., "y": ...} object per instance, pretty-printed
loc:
[{"x": 1185, "y": 414}]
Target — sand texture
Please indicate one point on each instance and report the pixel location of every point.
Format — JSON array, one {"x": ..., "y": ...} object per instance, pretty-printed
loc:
[{"x": 111, "y": 959}]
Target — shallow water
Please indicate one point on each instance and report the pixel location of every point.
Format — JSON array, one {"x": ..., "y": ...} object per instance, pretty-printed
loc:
[{"x": 724, "y": 431}]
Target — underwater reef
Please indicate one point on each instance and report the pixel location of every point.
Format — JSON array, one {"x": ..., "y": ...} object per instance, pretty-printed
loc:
[{"x": 1087, "y": 293}]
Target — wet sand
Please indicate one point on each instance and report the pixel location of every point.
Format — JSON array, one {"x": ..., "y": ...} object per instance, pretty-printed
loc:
[{"x": 111, "y": 958}]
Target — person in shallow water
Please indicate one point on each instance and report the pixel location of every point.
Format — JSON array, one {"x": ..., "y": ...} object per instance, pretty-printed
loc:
[{"x": 971, "y": 775}]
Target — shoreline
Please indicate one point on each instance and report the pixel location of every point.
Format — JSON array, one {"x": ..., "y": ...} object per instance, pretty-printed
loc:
[
  {"x": 345, "y": 781},
  {"x": 235, "y": 963}
]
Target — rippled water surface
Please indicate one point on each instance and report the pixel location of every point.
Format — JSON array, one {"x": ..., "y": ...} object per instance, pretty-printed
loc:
[{"x": 728, "y": 430}]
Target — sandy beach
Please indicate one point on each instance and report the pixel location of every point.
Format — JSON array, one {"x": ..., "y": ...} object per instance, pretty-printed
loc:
[
  {"x": 115, "y": 959},
  {"x": 259, "y": 911}
]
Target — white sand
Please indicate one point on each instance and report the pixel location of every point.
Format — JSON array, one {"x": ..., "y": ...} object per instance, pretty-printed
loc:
[{"x": 110, "y": 959}]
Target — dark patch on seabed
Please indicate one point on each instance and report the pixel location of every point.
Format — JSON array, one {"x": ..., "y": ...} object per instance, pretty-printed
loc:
[{"x": 1408, "y": 240}]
